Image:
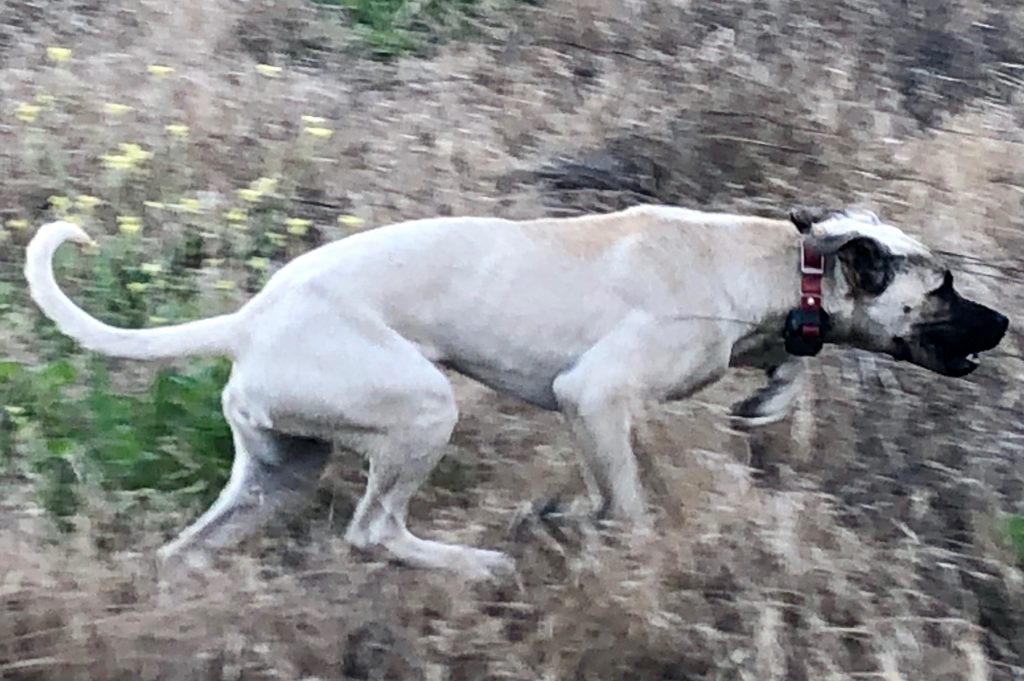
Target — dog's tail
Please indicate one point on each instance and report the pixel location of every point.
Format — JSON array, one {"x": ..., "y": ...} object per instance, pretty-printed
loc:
[{"x": 205, "y": 337}]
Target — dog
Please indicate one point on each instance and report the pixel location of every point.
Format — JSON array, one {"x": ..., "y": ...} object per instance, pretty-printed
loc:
[{"x": 590, "y": 316}]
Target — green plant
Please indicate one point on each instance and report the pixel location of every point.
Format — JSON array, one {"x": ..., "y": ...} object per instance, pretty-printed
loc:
[
  {"x": 71, "y": 420},
  {"x": 69, "y": 425},
  {"x": 394, "y": 27},
  {"x": 1014, "y": 529}
]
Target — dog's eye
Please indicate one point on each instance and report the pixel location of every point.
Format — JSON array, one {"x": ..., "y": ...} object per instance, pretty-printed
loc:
[{"x": 907, "y": 309}]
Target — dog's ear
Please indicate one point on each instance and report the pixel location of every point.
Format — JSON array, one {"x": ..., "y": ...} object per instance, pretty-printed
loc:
[
  {"x": 805, "y": 217},
  {"x": 863, "y": 214},
  {"x": 867, "y": 263}
]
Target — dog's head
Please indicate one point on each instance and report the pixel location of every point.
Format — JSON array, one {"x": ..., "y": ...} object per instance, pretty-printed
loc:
[{"x": 890, "y": 294}]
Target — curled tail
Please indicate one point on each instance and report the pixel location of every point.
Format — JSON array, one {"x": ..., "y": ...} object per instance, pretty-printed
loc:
[{"x": 211, "y": 336}]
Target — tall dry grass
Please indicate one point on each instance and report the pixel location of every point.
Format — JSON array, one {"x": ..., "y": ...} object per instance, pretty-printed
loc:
[{"x": 861, "y": 539}]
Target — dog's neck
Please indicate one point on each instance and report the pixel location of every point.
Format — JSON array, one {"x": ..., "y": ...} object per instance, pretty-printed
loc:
[
  {"x": 768, "y": 297},
  {"x": 837, "y": 300}
]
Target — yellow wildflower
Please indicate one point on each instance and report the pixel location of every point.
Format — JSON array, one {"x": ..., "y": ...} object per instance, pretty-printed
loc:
[
  {"x": 58, "y": 54},
  {"x": 189, "y": 205},
  {"x": 176, "y": 129},
  {"x": 27, "y": 113},
  {"x": 136, "y": 286},
  {"x": 13, "y": 410},
  {"x": 17, "y": 224},
  {"x": 236, "y": 214},
  {"x": 130, "y": 156},
  {"x": 237, "y": 217},
  {"x": 297, "y": 226},
  {"x": 129, "y": 224},
  {"x": 257, "y": 263},
  {"x": 115, "y": 109},
  {"x": 350, "y": 221},
  {"x": 116, "y": 161},
  {"x": 155, "y": 205},
  {"x": 60, "y": 204},
  {"x": 151, "y": 268},
  {"x": 276, "y": 238},
  {"x": 134, "y": 152},
  {"x": 158, "y": 320},
  {"x": 224, "y": 285},
  {"x": 268, "y": 71},
  {"x": 321, "y": 133},
  {"x": 250, "y": 195},
  {"x": 159, "y": 70},
  {"x": 313, "y": 120},
  {"x": 264, "y": 185},
  {"x": 87, "y": 202}
]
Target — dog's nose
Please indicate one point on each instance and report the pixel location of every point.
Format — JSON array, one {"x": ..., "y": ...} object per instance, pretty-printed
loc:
[
  {"x": 992, "y": 333},
  {"x": 1003, "y": 322}
]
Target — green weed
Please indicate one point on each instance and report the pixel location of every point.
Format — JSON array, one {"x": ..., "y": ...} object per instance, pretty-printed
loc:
[
  {"x": 69, "y": 425},
  {"x": 391, "y": 28},
  {"x": 71, "y": 420},
  {"x": 1014, "y": 530}
]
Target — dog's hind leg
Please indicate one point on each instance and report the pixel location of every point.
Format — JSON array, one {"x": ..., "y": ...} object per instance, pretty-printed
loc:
[
  {"x": 401, "y": 457},
  {"x": 390, "y": 404},
  {"x": 365, "y": 388},
  {"x": 271, "y": 473}
]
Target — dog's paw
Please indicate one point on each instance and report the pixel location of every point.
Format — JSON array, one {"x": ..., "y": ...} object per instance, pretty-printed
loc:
[
  {"x": 488, "y": 566},
  {"x": 753, "y": 412},
  {"x": 171, "y": 559},
  {"x": 774, "y": 401},
  {"x": 554, "y": 514}
]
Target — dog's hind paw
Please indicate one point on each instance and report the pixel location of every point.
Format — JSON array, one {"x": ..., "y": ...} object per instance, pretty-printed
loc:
[
  {"x": 557, "y": 517},
  {"x": 489, "y": 566},
  {"x": 543, "y": 509},
  {"x": 170, "y": 559}
]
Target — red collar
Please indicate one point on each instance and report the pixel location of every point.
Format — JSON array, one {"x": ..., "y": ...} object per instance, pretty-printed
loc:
[
  {"x": 812, "y": 268},
  {"x": 807, "y": 324}
]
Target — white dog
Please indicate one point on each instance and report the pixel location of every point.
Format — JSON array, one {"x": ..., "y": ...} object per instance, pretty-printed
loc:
[{"x": 588, "y": 315}]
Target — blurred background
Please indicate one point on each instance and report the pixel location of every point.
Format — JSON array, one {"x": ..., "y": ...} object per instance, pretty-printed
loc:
[{"x": 877, "y": 533}]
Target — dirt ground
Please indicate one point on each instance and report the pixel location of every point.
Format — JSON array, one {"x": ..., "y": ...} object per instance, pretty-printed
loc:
[{"x": 860, "y": 539}]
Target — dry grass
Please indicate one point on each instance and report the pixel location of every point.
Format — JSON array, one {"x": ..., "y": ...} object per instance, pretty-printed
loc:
[{"x": 859, "y": 540}]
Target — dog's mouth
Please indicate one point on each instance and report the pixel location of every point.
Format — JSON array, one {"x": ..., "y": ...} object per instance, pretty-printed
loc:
[
  {"x": 958, "y": 367},
  {"x": 936, "y": 358}
]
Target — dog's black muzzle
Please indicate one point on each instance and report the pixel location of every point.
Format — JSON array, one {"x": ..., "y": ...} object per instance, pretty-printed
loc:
[{"x": 950, "y": 346}]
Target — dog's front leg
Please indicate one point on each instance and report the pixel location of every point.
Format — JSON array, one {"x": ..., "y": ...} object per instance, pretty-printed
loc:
[
  {"x": 773, "y": 401},
  {"x": 643, "y": 358}
]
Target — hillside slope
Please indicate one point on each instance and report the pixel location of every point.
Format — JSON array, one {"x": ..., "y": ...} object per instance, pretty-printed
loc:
[{"x": 865, "y": 537}]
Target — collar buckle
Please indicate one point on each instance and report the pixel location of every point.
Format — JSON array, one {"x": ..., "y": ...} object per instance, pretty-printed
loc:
[
  {"x": 807, "y": 324},
  {"x": 811, "y": 262}
]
